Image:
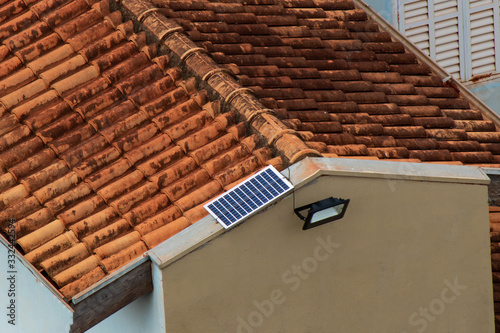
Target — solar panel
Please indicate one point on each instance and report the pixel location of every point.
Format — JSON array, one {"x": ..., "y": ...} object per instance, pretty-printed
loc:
[{"x": 249, "y": 197}]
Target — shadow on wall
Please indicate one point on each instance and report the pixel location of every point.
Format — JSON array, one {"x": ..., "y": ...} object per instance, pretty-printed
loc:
[{"x": 494, "y": 190}]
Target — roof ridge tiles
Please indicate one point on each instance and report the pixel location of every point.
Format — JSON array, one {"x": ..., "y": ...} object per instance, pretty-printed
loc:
[{"x": 180, "y": 45}]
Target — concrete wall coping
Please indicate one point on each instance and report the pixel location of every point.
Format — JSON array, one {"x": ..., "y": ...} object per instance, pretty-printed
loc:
[{"x": 309, "y": 169}]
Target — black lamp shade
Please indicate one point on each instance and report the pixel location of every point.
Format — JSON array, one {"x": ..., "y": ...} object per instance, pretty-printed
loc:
[{"x": 321, "y": 212}]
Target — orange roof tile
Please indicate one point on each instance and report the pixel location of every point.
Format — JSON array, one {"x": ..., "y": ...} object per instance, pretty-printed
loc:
[
  {"x": 334, "y": 73},
  {"x": 495, "y": 260}
]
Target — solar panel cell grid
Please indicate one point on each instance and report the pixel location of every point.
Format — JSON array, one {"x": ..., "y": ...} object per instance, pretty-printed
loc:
[{"x": 246, "y": 199}]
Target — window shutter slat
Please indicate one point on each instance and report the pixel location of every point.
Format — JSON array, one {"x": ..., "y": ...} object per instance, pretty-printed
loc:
[
  {"x": 460, "y": 35},
  {"x": 482, "y": 41}
]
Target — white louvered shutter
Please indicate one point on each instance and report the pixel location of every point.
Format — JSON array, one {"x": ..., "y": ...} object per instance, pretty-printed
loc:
[
  {"x": 435, "y": 28},
  {"x": 416, "y": 24},
  {"x": 447, "y": 33},
  {"x": 483, "y": 30},
  {"x": 463, "y": 36}
]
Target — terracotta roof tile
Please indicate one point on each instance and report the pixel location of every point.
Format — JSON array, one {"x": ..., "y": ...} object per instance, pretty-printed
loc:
[
  {"x": 23, "y": 151},
  {"x": 435, "y": 122},
  {"x": 77, "y": 271},
  {"x": 52, "y": 248},
  {"x": 57, "y": 187},
  {"x": 495, "y": 249},
  {"x": 493, "y": 147},
  {"x": 447, "y": 134},
  {"x": 431, "y": 155},
  {"x": 41, "y": 235},
  {"x": 69, "y": 198},
  {"x": 118, "y": 244},
  {"x": 16, "y": 24},
  {"x": 106, "y": 234},
  {"x": 159, "y": 235},
  {"x": 82, "y": 209},
  {"x": 121, "y": 258},
  {"x": 65, "y": 259},
  {"x": 33, "y": 104},
  {"x": 83, "y": 282}
]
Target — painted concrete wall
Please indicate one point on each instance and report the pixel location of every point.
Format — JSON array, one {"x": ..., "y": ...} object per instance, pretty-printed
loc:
[
  {"x": 409, "y": 256},
  {"x": 488, "y": 92},
  {"x": 386, "y": 8},
  {"x": 37, "y": 308},
  {"x": 146, "y": 314}
]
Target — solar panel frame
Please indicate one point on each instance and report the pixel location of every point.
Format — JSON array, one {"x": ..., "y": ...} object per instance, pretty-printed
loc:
[{"x": 249, "y": 197}]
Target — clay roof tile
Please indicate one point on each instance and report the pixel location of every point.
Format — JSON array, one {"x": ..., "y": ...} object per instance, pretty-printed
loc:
[
  {"x": 106, "y": 234},
  {"x": 117, "y": 245},
  {"x": 460, "y": 146},
  {"x": 120, "y": 186},
  {"x": 69, "y": 198},
  {"x": 459, "y": 114},
  {"x": 86, "y": 280},
  {"x": 65, "y": 259},
  {"x": 20, "y": 209},
  {"x": 76, "y": 271},
  {"x": 431, "y": 155},
  {"x": 17, "y": 24},
  {"x": 23, "y": 151},
  {"x": 484, "y": 137},
  {"x": 143, "y": 192},
  {"x": 434, "y": 122},
  {"x": 447, "y": 134},
  {"x": 124, "y": 256},
  {"x": 51, "y": 248},
  {"x": 41, "y": 235},
  {"x": 94, "y": 222},
  {"x": 154, "y": 238}
]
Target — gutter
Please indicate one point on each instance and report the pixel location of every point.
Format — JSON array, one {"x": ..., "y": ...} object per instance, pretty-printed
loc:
[
  {"x": 111, "y": 294},
  {"x": 421, "y": 56}
]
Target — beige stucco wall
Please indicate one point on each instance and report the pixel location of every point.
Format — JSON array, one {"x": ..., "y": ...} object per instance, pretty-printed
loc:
[{"x": 409, "y": 256}]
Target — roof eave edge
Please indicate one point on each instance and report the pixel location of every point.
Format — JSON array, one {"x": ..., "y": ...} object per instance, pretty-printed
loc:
[
  {"x": 36, "y": 273},
  {"x": 185, "y": 241},
  {"x": 107, "y": 280},
  {"x": 396, "y": 34},
  {"x": 111, "y": 294}
]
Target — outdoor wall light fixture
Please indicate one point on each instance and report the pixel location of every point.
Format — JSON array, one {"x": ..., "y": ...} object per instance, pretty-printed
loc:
[{"x": 321, "y": 212}]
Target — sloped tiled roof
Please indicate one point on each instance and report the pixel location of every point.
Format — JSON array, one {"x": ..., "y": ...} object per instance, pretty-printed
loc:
[
  {"x": 111, "y": 139},
  {"x": 106, "y": 149},
  {"x": 332, "y": 74},
  {"x": 495, "y": 260}
]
